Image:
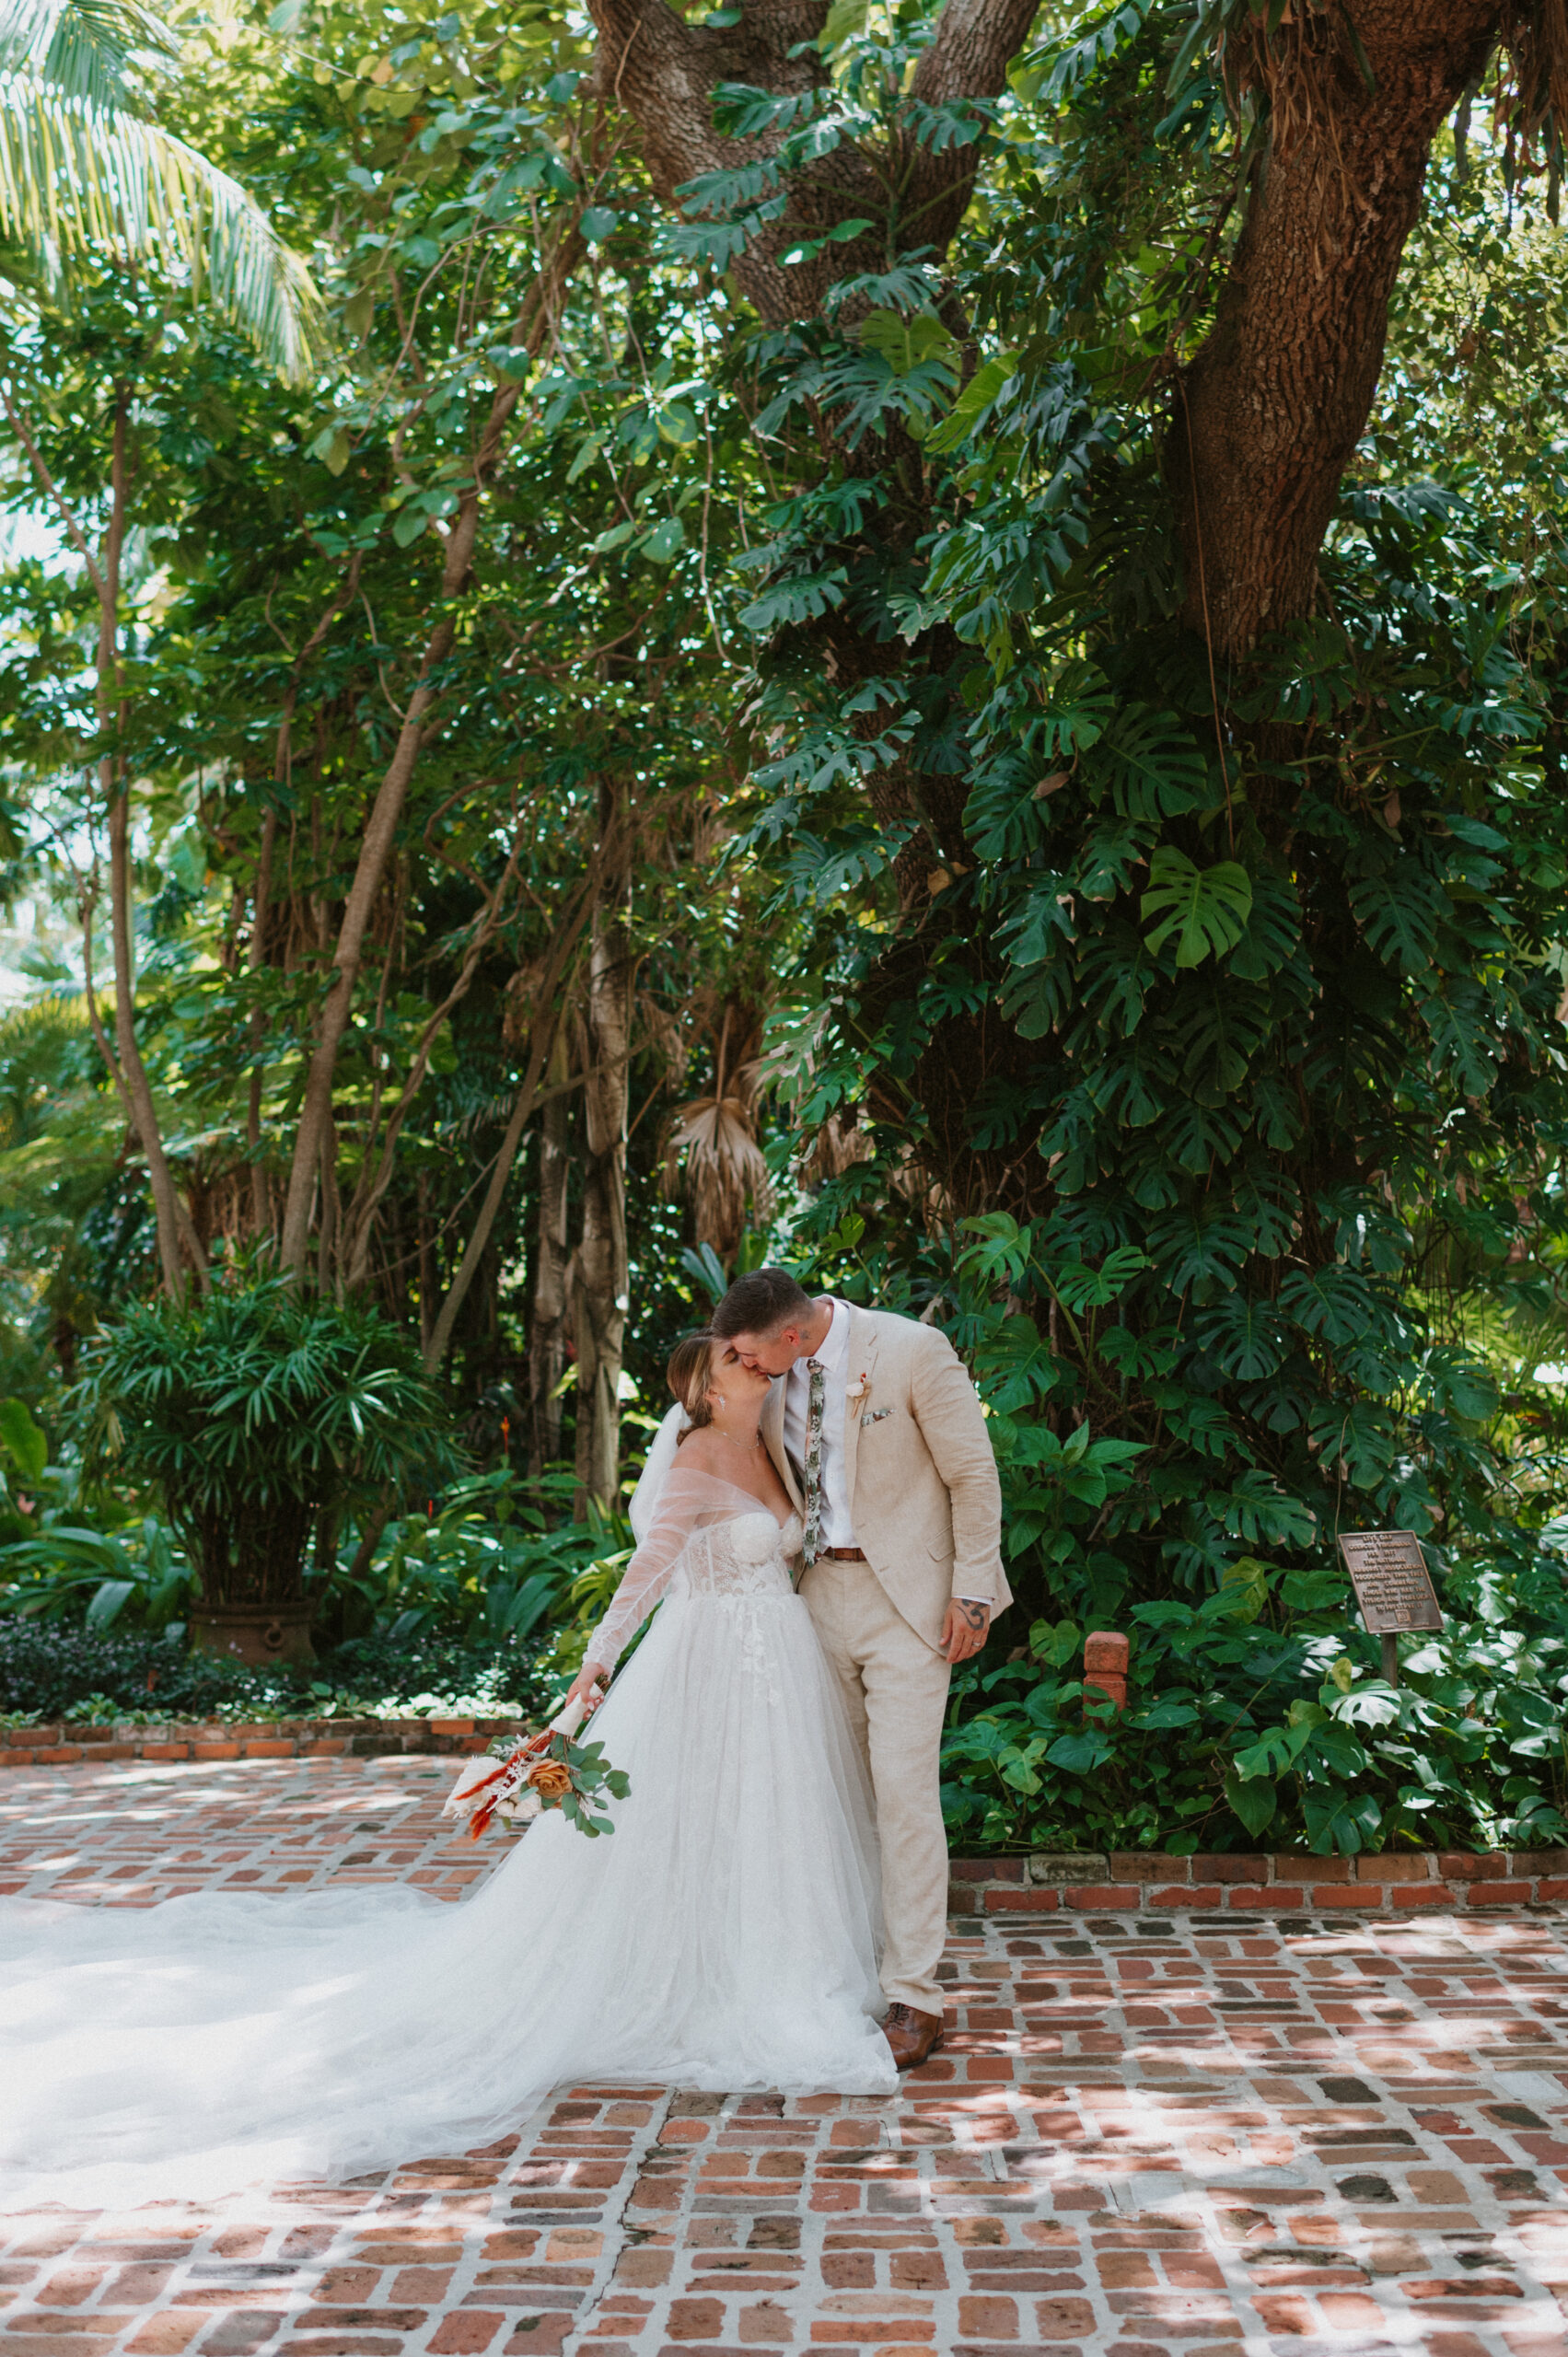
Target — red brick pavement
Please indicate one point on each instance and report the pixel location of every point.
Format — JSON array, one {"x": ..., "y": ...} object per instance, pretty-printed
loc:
[{"x": 1147, "y": 2135}]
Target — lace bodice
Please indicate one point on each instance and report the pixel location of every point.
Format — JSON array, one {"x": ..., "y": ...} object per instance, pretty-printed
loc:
[
  {"x": 707, "y": 1539},
  {"x": 748, "y": 1555}
]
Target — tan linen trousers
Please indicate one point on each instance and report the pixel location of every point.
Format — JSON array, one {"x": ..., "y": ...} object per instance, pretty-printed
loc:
[{"x": 897, "y": 1690}]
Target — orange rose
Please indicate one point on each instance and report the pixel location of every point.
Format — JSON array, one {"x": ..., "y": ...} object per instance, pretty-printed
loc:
[{"x": 551, "y": 1779}]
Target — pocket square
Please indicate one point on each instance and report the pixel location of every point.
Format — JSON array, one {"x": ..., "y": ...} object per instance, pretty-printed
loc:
[{"x": 875, "y": 1417}]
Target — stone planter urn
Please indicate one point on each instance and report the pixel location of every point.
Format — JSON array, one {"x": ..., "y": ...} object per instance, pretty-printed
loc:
[{"x": 255, "y": 1634}]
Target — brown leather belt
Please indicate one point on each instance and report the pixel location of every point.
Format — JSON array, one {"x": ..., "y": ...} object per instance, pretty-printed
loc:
[{"x": 842, "y": 1554}]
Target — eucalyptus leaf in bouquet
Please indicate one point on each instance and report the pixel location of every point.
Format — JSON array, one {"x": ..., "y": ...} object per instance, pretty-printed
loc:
[{"x": 516, "y": 1781}]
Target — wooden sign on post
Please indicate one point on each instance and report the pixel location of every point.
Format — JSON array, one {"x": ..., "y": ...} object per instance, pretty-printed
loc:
[{"x": 1392, "y": 1587}]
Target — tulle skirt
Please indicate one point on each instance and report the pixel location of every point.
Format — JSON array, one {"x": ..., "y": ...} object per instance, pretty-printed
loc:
[{"x": 723, "y": 1937}]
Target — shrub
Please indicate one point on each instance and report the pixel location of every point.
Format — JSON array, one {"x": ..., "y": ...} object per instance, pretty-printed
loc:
[
  {"x": 51, "y": 1671},
  {"x": 261, "y": 1419}
]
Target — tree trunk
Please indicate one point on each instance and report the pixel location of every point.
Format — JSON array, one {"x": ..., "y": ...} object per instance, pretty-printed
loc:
[
  {"x": 665, "y": 70},
  {"x": 283, "y": 766},
  {"x": 547, "y": 1332},
  {"x": 376, "y": 848},
  {"x": 172, "y": 1227},
  {"x": 260, "y": 1194},
  {"x": 1268, "y": 415},
  {"x": 600, "y": 1275}
]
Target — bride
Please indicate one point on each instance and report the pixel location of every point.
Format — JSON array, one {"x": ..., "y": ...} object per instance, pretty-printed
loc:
[{"x": 723, "y": 1937}]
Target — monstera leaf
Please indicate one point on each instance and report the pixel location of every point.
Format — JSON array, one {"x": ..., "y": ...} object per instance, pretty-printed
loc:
[{"x": 1206, "y": 908}]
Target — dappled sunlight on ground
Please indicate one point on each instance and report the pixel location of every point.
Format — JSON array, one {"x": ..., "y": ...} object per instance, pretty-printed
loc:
[{"x": 1146, "y": 2133}]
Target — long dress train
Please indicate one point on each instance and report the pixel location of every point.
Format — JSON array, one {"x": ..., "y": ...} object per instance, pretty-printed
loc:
[{"x": 723, "y": 1936}]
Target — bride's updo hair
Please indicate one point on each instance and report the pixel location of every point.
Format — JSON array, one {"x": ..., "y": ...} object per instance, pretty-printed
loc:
[{"x": 690, "y": 1372}]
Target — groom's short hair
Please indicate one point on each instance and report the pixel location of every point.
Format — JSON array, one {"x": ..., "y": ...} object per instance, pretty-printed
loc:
[{"x": 760, "y": 1304}]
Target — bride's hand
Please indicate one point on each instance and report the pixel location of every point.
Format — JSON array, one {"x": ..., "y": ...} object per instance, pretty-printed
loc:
[{"x": 587, "y": 1688}]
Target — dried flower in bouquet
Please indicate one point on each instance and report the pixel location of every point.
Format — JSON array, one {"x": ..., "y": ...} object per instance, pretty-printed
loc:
[{"x": 515, "y": 1782}]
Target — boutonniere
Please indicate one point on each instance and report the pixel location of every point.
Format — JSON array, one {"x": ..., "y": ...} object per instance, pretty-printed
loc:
[{"x": 857, "y": 1389}]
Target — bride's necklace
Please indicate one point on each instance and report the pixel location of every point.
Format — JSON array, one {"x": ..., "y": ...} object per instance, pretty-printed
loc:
[{"x": 747, "y": 1448}]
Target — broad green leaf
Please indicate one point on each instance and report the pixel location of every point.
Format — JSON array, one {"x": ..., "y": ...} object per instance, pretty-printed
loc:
[
  {"x": 665, "y": 543},
  {"x": 1338, "y": 1820},
  {"x": 23, "y": 1440},
  {"x": 108, "y": 1602},
  {"x": 972, "y": 403},
  {"x": 1154, "y": 768},
  {"x": 846, "y": 20},
  {"x": 1244, "y": 1587},
  {"x": 905, "y": 343},
  {"x": 1206, "y": 908},
  {"x": 1254, "y": 1800},
  {"x": 1080, "y": 1754}
]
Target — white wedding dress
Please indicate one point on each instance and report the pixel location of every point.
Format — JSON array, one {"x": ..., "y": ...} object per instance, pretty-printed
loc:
[{"x": 723, "y": 1936}]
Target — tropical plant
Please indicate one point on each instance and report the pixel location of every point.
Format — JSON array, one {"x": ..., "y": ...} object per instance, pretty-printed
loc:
[
  {"x": 495, "y": 1561},
  {"x": 145, "y": 1568},
  {"x": 261, "y": 1421},
  {"x": 87, "y": 170}
]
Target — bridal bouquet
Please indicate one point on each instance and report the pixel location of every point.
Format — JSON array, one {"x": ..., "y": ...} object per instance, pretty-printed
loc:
[{"x": 516, "y": 1781}]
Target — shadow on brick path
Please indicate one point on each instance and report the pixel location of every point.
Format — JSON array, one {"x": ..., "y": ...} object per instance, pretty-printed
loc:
[{"x": 1176, "y": 2133}]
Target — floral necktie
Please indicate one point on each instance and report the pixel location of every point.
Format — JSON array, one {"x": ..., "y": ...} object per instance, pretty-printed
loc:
[{"x": 815, "y": 1394}]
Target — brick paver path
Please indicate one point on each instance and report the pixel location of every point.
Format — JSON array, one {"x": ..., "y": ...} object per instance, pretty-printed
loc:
[{"x": 1148, "y": 2133}]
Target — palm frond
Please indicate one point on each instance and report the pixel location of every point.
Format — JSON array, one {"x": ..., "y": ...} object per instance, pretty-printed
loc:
[
  {"x": 74, "y": 176},
  {"x": 82, "y": 48},
  {"x": 726, "y": 1174}
]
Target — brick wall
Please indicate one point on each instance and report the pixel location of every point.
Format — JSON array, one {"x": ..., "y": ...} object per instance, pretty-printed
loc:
[
  {"x": 66, "y": 1743},
  {"x": 1086, "y": 1882}
]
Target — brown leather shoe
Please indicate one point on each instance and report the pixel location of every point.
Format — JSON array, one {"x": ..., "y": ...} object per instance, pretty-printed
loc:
[{"x": 913, "y": 2036}]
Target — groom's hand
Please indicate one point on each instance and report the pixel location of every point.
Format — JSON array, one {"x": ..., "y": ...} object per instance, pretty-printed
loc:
[{"x": 964, "y": 1629}]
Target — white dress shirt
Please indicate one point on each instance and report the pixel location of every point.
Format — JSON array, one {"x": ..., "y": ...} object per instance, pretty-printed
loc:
[{"x": 837, "y": 1527}]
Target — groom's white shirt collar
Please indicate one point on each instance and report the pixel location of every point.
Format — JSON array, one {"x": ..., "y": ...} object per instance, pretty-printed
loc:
[{"x": 833, "y": 1349}]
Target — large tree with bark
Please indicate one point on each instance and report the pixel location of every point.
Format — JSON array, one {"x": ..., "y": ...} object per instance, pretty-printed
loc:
[{"x": 1092, "y": 656}]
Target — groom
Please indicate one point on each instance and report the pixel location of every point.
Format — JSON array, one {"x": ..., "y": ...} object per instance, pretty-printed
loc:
[{"x": 879, "y": 1439}]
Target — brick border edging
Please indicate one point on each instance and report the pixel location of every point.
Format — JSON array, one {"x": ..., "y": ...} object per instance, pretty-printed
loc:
[
  {"x": 1281, "y": 1882},
  {"x": 67, "y": 1744},
  {"x": 1047, "y": 1882}
]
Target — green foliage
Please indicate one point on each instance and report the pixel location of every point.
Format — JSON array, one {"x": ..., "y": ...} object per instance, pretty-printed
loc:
[
  {"x": 48, "y": 1577},
  {"x": 83, "y": 163},
  {"x": 1187, "y": 1034},
  {"x": 1206, "y": 909},
  {"x": 499, "y": 1562},
  {"x": 23, "y": 1441},
  {"x": 58, "y": 1669},
  {"x": 1223, "y": 1066},
  {"x": 1270, "y": 1717},
  {"x": 257, "y": 1416}
]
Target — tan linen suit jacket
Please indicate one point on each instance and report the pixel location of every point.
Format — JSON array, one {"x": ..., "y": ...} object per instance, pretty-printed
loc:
[{"x": 919, "y": 1468}]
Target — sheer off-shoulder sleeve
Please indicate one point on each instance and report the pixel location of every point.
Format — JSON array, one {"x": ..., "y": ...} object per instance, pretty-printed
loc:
[{"x": 688, "y": 1502}]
